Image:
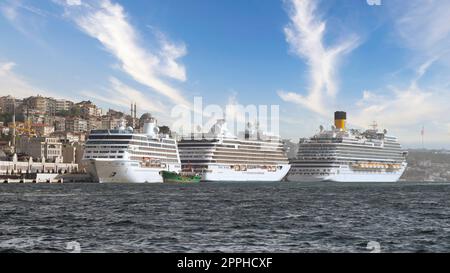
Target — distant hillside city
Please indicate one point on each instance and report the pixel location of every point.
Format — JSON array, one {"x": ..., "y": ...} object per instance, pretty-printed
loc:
[{"x": 54, "y": 130}]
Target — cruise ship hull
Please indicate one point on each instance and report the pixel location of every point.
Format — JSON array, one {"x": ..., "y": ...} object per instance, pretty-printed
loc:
[
  {"x": 219, "y": 173},
  {"x": 106, "y": 171},
  {"x": 348, "y": 175}
]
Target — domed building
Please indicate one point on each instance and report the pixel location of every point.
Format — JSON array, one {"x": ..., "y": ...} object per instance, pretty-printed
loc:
[{"x": 145, "y": 117}]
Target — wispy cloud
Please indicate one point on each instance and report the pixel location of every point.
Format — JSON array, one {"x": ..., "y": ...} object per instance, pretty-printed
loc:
[
  {"x": 422, "y": 28},
  {"x": 121, "y": 95},
  {"x": 406, "y": 110},
  {"x": 305, "y": 35},
  {"x": 152, "y": 67},
  {"x": 25, "y": 18},
  {"x": 11, "y": 83},
  {"x": 423, "y": 25}
]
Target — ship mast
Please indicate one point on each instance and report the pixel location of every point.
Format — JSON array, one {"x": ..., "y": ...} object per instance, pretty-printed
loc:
[{"x": 374, "y": 125}]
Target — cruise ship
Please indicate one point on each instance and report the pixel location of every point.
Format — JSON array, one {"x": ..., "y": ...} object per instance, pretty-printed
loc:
[
  {"x": 124, "y": 156},
  {"x": 221, "y": 156},
  {"x": 342, "y": 155}
]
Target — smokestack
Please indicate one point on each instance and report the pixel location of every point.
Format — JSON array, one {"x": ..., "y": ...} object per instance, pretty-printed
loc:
[
  {"x": 340, "y": 119},
  {"x": 135, "y": 111}
]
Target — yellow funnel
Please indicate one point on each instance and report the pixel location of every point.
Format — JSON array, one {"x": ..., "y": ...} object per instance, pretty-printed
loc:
[{"x": 339, "y": 119}]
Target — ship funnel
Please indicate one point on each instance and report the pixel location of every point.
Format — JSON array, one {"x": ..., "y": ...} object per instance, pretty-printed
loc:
[
  {"x": 340, "y": 118},
  {"x": 151, "y": 128}
]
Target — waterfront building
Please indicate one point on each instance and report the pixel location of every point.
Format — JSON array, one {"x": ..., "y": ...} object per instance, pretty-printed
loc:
[
  {"x": 47, "y": 148},
  {"x": 42, "y": 130},
  {"x": 76, "y": 124},
  {"x": 7, "y": 104},
  {"x": 72, "y": 152},
  {"x": 63, "y": 105}
]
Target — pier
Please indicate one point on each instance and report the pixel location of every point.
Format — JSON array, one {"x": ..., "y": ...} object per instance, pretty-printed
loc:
[{"x": 40, "y": 172}]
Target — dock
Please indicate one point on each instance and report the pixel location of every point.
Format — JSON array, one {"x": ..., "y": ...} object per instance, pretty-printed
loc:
[{"x": 41, "y": 172}]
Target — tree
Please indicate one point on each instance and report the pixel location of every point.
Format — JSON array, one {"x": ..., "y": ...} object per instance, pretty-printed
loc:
[
  {"x": 72, "y": 112},
  {"x": 6, "y": 117},
  {"x": 165, "y": 130}
]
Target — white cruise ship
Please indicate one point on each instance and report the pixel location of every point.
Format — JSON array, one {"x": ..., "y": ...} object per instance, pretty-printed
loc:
[
  {"x": 342, "y": 155},
  {"x": 122, "y": 156},
  {"x": 221, "y": 156}
]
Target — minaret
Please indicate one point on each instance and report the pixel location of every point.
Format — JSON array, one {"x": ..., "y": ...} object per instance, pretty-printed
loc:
[
  {"x": 132, "y": 116},
  {"x": 131, "y": 110},
  {"x": 135, "y": 117}
]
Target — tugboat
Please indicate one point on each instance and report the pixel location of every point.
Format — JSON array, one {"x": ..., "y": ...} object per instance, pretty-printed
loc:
[{"x": 182, "y": 178}]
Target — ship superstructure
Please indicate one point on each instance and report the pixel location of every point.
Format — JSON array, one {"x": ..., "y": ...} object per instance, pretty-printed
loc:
[
  {"x": 221, "y": 156},
  {"x": 125, "y": 156},
  {"x": 348, "y": 155}
]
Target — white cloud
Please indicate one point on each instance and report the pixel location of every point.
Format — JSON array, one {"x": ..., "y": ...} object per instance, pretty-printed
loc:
[
  {"x": 73, "y": 2},
  {"x": 423, "y": 25},
  {"x": 108, "y": 23},
  {"x": 398, "y": 108},
  {"x": 368, "y": 97},
  {"x": 305, "y": 35},
  {"x": 26, "y": 19},
  {"x": 423, "y": 29},
  {"x": 122, "y": 95},
  {"x": 406, "y": 110},
  {"x": 6, "y": 67},
  {"x": 9, "y": 11},
  {"x": 169, "y": 54},
  {"x": 13, "y": 84}
]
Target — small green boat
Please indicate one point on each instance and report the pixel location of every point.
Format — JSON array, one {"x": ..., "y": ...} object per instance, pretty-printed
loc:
[{"x": 173, "y": 177}]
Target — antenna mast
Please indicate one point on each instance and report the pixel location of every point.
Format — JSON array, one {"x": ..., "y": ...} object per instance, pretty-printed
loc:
[
  {"x": 422, "y": 133},
  {"x": 374, "y": 125}
]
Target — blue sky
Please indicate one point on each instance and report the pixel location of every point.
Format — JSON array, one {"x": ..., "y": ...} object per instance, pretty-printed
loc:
[{"x": 388, "y": 62}]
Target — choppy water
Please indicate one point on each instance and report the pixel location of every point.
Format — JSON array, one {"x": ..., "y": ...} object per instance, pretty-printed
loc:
[{"x": 227, "y": 217}]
